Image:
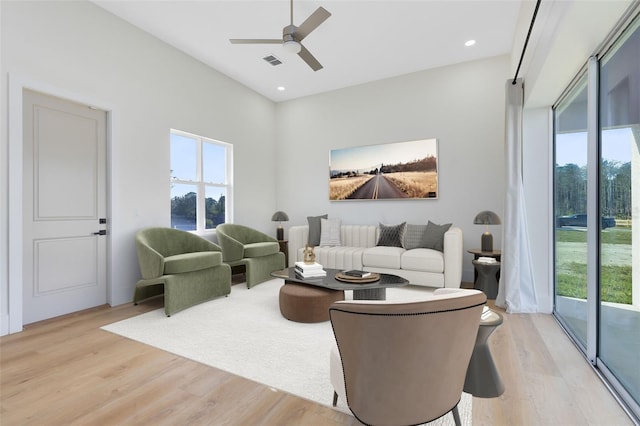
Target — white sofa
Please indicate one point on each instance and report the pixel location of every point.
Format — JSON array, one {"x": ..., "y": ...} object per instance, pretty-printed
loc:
[{"x": 358, "y": 250}]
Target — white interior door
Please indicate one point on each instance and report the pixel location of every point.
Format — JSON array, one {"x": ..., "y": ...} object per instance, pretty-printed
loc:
[{"x": 64, "y": 200}]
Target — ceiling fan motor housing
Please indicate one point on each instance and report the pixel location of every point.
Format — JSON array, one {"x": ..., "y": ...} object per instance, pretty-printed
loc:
[
  {"x": 289, "y": 41},
  {"x": 288, "y": 33}
]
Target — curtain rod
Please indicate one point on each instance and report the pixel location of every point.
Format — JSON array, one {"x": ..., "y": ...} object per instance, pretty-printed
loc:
[{"x": 526, "y": 41}]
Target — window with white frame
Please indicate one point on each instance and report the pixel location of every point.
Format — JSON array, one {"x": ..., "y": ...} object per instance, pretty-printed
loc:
[{"x": 201, "y": 182}]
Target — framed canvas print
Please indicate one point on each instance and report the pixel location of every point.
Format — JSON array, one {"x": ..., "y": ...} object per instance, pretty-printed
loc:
[{"x": 399, "y": 170}]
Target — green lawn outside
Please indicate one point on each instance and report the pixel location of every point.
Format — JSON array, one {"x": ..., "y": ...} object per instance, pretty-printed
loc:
[
  {"x": 608, "y": 236},
  {"x": 616, "y": 280}
]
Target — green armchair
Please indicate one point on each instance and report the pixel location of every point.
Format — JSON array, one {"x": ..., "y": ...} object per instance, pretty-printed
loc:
[
  {"x": 258, "y": 252},
  {"x": 185, "y": 267}
]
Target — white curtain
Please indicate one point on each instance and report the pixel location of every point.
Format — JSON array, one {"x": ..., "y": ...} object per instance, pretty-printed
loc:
[{"x": 517, "y": 291}]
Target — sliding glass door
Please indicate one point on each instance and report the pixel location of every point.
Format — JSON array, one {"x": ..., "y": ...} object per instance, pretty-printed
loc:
[
  {"x": 597, "y": 213},
  {"x": 619, "y": 107},
  {"x": 570, "y": 190}
]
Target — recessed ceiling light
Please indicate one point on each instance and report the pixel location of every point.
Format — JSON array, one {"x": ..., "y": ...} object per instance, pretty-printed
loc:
[
  {"x": 470, "y": 43},
  {"x": 281, "y": 88}
]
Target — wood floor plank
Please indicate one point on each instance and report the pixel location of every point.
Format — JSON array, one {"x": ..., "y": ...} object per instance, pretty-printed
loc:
[
  {"x": 547, "y": 381},
  {"x": 67, "y": 371}
]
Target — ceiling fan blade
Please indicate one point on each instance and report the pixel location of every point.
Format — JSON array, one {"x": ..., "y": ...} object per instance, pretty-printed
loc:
[
  {"x": 255, "y": 40},
  {"x": 309, "y": 59},
  {"x": 312, "y": 22}
]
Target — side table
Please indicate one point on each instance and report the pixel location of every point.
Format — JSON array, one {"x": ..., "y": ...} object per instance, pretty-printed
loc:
[
  {"x": 496, "y": 254},
  {"x": 487, "y": 275},
  {"x": 483, "y": 379},
  {"x": 477, "y": 253},
  {"x": 284, "y": 248}
]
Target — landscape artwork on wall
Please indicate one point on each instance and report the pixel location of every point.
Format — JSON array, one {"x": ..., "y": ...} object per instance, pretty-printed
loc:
[{"x": 400, "y": 170}]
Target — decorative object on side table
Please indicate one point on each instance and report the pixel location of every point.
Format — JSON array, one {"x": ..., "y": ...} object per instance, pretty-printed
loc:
[
  {"x": 280, "y": 217},
  {"x": 487, "y": 218}
]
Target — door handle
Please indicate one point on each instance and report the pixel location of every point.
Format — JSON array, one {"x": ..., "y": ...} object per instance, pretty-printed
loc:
[{"x": 101, "y": 232}]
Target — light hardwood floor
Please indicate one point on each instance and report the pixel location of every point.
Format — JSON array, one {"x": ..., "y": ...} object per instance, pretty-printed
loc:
[{"x": 66, "y": 371}]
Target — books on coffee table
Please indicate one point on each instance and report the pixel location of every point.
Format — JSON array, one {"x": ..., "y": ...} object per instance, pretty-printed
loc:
[
  {"x": 356, "y": 279},
  {"x": 310, "y": 270},
  {"x": 357, "y": 273},
  {"x": 308, "y": 267},
  {"x": 319, "y": 274}
]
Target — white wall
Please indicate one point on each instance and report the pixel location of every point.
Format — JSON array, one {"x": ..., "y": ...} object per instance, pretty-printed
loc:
[
  {"x": 78, "y": 49},
  {"x": 565, "y": 34},
  {"x": 460, "y": 105},
  {"x": 538, "y": 193}
]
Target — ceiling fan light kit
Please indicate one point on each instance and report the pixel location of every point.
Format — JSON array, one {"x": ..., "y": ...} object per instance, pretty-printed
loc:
[
  {"x": 292, "y": 46},
  {"x": 292, "y": 37}
]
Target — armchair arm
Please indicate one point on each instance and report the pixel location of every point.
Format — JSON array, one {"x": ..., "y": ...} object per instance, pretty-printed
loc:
[
  {"x": 251, "y": 236},
  {"x": 198, "y": 243},
  {"x": 453, "y": 244},
  {"x": 232, "y": 249},
  {"x": 151, "y": 262}
]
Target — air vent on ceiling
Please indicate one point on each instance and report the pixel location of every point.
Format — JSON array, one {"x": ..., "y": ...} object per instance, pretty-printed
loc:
[{"x": 272, "y": 60}]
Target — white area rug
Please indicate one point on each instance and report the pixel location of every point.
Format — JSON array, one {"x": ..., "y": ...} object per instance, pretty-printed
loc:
[{"x": 246, "y": 335}]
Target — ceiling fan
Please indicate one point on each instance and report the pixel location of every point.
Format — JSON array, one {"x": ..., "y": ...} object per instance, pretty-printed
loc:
[{"x": 292, "y": 36}]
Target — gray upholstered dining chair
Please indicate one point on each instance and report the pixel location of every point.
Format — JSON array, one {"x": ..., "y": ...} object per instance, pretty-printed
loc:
[
  {"x": 404, "y": 363},
  {"x": 185, "y": 267},
  {"x": 258, "y": 252}
]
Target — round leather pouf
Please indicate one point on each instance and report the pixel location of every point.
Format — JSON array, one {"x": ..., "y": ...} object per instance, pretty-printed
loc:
[{"x": 305, "y": 303}]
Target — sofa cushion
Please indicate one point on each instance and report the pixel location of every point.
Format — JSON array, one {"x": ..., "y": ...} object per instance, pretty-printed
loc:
[
  {"x": 434, "y": 236},
  {"x": 330, "y": 232},
  {"x": 339, "y": 257},
  {"x": 392, "y": 235},
  {"x": 382, "y": 257},
  {"x": 422, "y": 259},
  {"x": 314, "y": 229},
  {"x": 188, "y": 262},
  {"x": 261, "y": 249},
  {"x": 413, "y": 236}
]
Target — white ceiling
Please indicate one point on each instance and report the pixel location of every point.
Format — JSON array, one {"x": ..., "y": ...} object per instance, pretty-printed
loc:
[{"x": 362, "y": 41}]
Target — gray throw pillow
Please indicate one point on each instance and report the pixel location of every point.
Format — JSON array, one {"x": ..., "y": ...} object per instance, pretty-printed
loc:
[
  {"x": 392, "y": 235},
  {"x": 414, "y": 235},
  {"x": 330, "y": 232},
  {"x": 314, "y": 229},
  {"x": 434, "y": 236}
]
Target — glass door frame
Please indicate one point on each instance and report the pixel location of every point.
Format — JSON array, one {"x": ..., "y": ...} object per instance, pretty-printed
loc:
[
  {"x": 593, "y": 302},
  {"x": 593, "y": 209}
]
